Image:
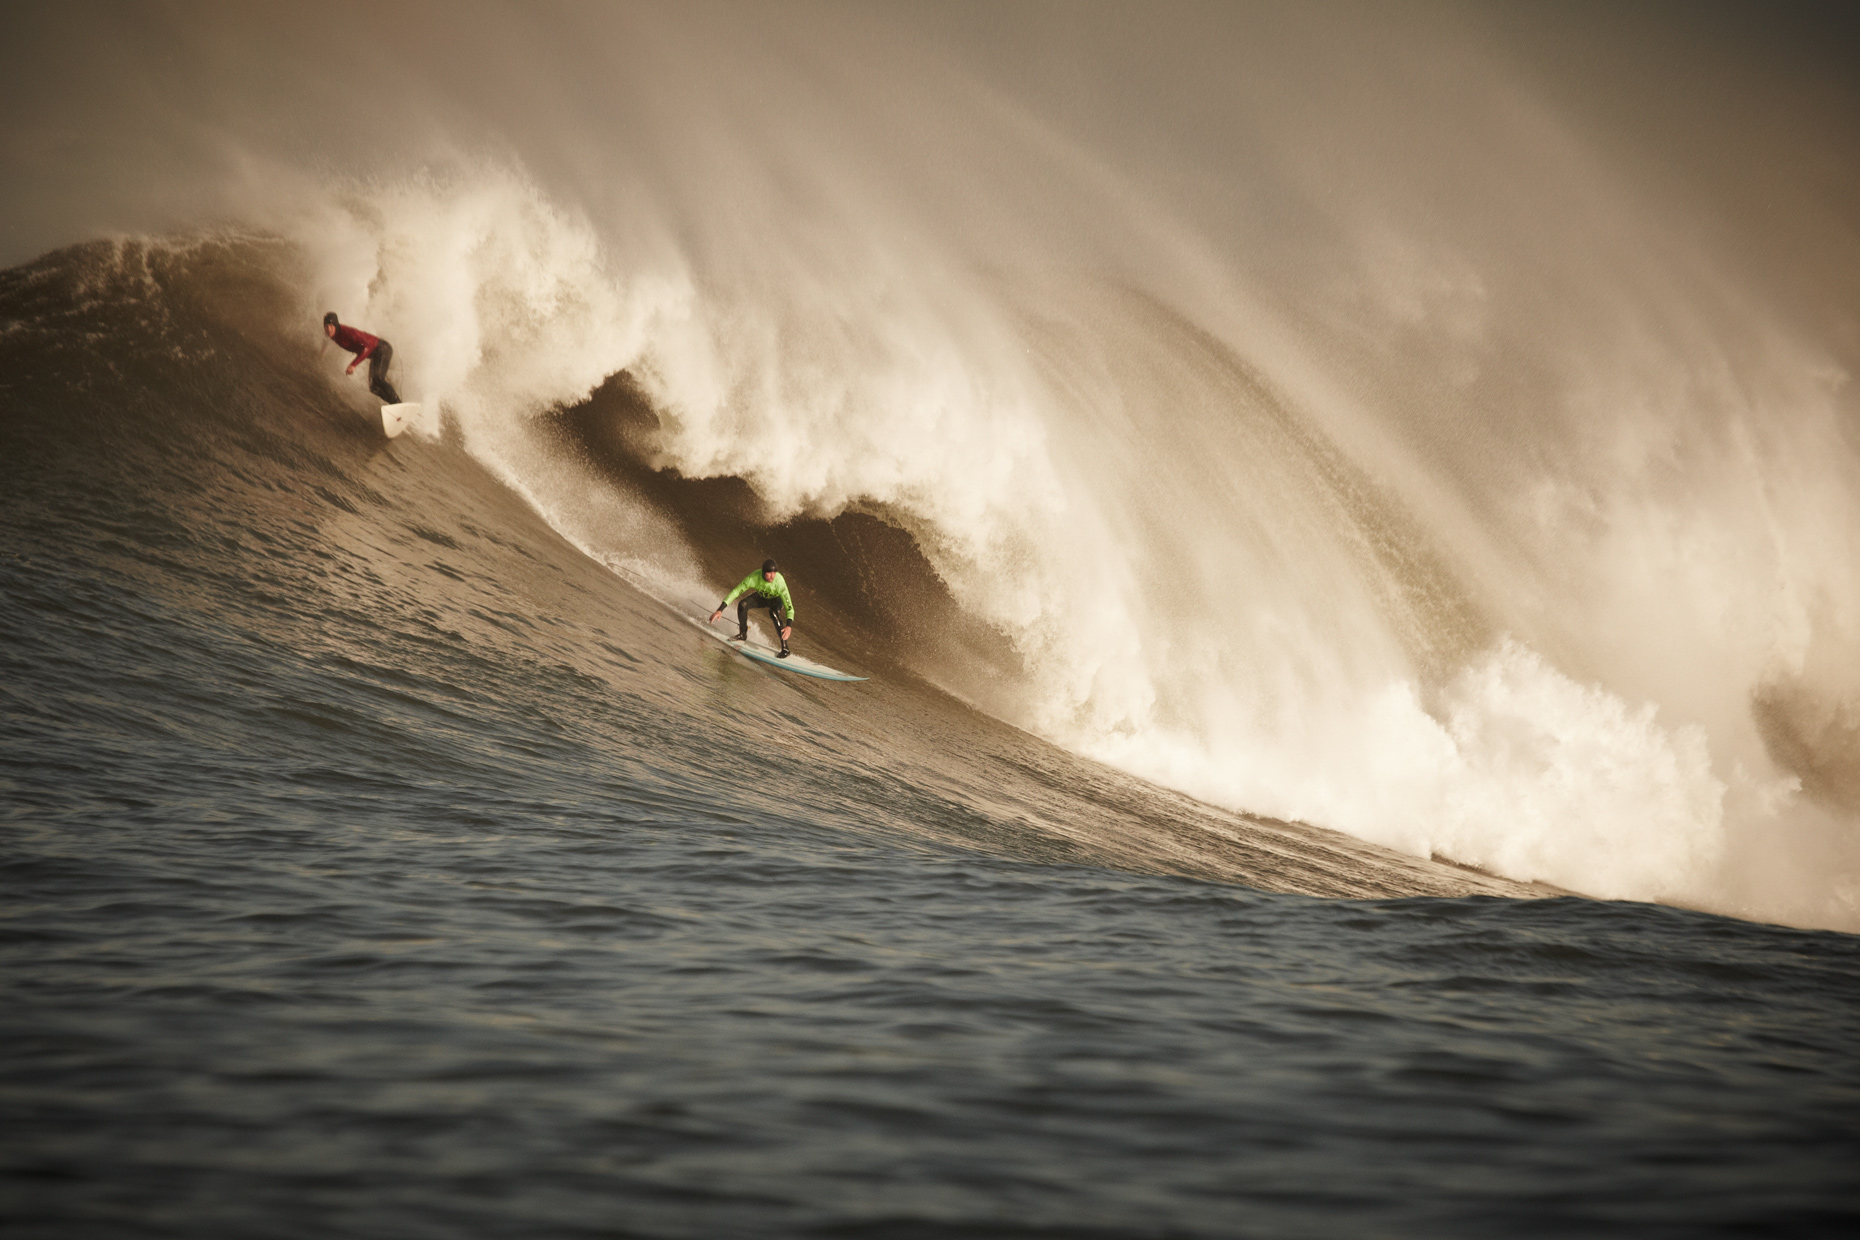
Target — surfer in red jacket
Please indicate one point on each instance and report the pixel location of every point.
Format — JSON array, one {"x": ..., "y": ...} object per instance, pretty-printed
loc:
[{"x": 377, "y": 352}]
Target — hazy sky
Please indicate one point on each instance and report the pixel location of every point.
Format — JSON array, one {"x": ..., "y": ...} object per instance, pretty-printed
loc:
[{"x": 147, "y": 116}]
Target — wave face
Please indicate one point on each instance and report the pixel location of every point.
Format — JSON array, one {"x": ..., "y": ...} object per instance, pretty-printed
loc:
[
  {"x": 1345, "y": 423},
  {"x": 166, "y": 424}
]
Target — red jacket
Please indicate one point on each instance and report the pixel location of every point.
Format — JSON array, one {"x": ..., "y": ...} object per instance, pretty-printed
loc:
[{"x": 357, "y": 342}]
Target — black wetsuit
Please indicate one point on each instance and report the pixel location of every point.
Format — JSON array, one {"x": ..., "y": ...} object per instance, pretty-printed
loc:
[
  {"x": 377, "y": 374},
  {"x": 758, "y": 602}
]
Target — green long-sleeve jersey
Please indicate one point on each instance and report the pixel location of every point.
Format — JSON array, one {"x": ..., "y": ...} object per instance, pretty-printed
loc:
[{"x": 777, "y": 588}]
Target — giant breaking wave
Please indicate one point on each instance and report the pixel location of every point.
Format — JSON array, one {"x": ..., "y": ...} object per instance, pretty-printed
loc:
[{"x": 1466, "y": 494}]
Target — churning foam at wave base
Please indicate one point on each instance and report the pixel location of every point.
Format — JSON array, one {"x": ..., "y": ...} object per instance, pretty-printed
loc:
[
  {"x": 1516, "y": 769},
  {"x": 503, "y": 305}
]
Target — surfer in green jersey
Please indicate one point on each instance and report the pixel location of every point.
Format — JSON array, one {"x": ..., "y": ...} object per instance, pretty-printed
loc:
[{"x": 769, "y": 589}]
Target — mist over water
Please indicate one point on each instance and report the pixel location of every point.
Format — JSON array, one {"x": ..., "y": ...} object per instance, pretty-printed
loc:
[{"x": 1385, "y": 418}]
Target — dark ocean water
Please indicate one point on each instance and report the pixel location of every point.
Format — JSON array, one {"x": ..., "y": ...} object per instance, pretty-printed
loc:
[{"x": 377, "y": 865}]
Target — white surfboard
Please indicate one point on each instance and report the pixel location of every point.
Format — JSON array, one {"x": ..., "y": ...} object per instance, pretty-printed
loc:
[
  {"x": 395, "y": 418},
  {"x": 752, "y": 649}
]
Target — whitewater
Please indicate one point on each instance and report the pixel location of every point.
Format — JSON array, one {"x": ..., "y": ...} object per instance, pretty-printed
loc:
[{"x": 1351, "y": 517}]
